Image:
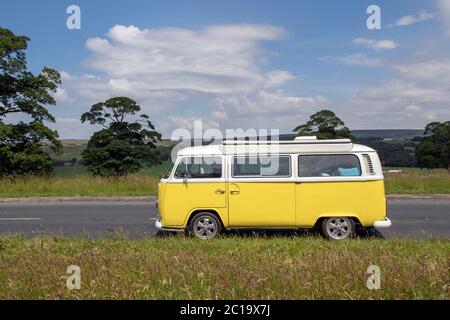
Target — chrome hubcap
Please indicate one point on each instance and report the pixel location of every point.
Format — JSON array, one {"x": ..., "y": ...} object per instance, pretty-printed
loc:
[
  {"x": 205, "y": 228},
  {"x": 338, "y": 228}
]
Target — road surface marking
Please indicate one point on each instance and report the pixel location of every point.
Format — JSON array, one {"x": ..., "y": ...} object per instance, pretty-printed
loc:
[{"x": 19, "y": 219}]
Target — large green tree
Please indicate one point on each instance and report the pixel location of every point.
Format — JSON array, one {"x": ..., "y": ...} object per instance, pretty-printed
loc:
[
  {"x": 433, "y": 151},
  {"x": 22, "y": 92},
  {"x": 121, "y": 147},
  {"x": 325, "y": 125}
]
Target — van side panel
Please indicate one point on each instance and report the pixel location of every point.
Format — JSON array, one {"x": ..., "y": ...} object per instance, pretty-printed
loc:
[
  {"x": 364, "y": 200},
  {"x": 262, "y": 204},
  {"x": 181, "y": 199}
]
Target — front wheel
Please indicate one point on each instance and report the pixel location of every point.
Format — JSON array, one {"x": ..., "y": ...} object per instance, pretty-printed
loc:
[
  {"x": 338, "y": 228},
  {"x": 205, "y": 225}
]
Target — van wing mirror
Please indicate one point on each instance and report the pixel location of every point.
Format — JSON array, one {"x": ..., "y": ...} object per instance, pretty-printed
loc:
[{"x": 185, "y": 176}]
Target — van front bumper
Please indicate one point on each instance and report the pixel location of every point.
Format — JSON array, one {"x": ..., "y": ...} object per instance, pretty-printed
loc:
[
  {"x": 386, "y": 223},
  {"x": 160, "y": 227}
]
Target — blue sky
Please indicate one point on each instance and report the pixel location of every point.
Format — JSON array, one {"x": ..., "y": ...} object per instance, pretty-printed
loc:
[{"x": 244, "y": 64}]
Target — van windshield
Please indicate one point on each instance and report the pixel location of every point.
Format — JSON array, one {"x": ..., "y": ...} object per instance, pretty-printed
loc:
[
  {"x": 200, "y": 167},
  {"x": 167, "y": 171}
]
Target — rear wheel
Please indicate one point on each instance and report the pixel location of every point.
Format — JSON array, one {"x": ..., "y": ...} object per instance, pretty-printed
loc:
[
  {"x": 338, "y": 228},
  {"x": 205, "y": 225}
]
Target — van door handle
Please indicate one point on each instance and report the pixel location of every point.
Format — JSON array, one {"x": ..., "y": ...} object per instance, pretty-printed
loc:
[
  {"x": 234, "y": 192},
  {"x": 219, "y": 191}
]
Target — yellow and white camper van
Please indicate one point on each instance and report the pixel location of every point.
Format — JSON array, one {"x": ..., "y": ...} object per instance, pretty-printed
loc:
[{"x": 331, "y": 185}]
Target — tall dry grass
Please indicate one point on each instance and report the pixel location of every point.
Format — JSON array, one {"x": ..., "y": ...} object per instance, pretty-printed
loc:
[
  {"x": 79, "y": 185},
  {"x": 418, "y": 181},
  {"x": 224, "y": 268},
  {"x": 410, "y": 181}
]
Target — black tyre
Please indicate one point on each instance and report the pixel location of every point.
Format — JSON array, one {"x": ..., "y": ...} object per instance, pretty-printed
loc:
[
  {"x": 205, "y": 225},
  {"x": 338, "y": 228}
]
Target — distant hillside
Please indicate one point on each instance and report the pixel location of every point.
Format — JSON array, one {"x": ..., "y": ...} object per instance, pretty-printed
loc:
[
  {"x": 74, "y": 142},
  {"x": 72, "y": 149},
  {"x": 83, "y": 142},
  {"x": 405, "y": 134},
  {"x": 395, "y": 147},
  {"x": 397, "y": 134}
]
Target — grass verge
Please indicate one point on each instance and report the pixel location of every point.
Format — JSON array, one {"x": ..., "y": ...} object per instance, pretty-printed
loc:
[
  {"x": 79, "y": 185},
  {"x": 418, "y": 181},
  {"x": 409, "y": 181},
  {"x": 224, "y": 268}
]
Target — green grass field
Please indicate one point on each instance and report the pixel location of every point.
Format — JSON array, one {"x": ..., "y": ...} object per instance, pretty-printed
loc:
[
  {"x": 224, "y": 268},
  {"x": 79, "y": 185},
  {"x": 75, "y": 181},
  {"x": 418, "y": 181}
]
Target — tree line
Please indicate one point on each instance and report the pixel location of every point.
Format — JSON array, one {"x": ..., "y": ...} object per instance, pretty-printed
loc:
[{"x": 128, "y": 138}]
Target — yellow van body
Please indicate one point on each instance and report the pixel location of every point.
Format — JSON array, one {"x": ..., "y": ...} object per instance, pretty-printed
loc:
[{"x": 290, "y": 202}]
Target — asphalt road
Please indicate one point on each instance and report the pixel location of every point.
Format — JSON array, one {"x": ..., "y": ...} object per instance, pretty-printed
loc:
[{"x": 417, "y": 219}]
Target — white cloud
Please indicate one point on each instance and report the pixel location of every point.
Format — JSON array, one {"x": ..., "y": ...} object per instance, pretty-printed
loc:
[
  {"x": 357, "y": 59},
  {"x": 188, "y": 122},
  {"x": 376, "y": 44},
  {"x": 401, "y": 90},
  {"x": 218, "y": 59},
  {"x": 274, "y": 110},
  {"x": 419, "y": 93},
  {"x": 278, "y": 77},
  {"x": 61, "y": 96},
  {"x": 437, "y": 71},
  {"x": 98, "y": 45},
  {"x": 413, "y": 108},
  {"x": 120, "y": 85},
  {"x": 220, "y": 115},
  {"x": 79, "y": 93},
  {"x": 410, "y": 19},
  {"x": 165, "y": 69},
  {"x": 444, "y": 12}
]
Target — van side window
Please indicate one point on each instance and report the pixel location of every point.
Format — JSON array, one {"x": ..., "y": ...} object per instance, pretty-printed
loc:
[
  {"x": 199, "y": 167},
  {"x": 330, "y": 165},
  {"x": 270, "y": 166}
]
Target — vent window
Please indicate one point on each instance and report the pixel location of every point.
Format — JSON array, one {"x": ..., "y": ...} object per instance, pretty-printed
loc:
[{"x": 368, "y": 164}]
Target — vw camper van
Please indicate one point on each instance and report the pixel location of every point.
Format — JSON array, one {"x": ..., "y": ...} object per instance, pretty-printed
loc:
[{"x": 330, "y": 185}]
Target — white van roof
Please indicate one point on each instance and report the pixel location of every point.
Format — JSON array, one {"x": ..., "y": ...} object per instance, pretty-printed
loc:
[{"x": 302, "y": 145}]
